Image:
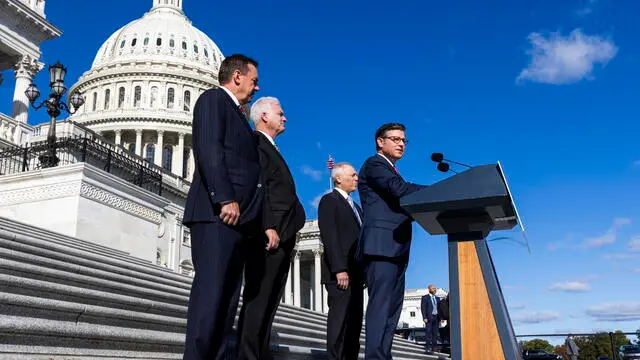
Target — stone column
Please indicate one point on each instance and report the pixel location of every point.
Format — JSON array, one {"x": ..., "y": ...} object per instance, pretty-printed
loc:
[
  {"x": 317, "y": 288},
  {"x": 138, "y": 142},
  {"x": 296, "y": 279},
  {"x": 325, "y": 300},
  {"x": 26, "y": 69},
  {"x": 118, "y": 140},
  {"x": 192, "y": 165},
  {"x": 179, "y": 155},
  {"x": 287, "y": 288},
  {"x": 157, "y": 155}
]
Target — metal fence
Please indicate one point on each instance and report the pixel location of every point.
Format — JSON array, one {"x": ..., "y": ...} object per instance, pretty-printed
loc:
[{"x": 71, "y": 150}]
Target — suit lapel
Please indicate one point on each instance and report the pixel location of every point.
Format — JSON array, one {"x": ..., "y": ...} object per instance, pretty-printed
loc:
[
  {"x": 273, "y": 149},
  {"x": 237, "y": 110},
  {"x": 345, "y": 203}
]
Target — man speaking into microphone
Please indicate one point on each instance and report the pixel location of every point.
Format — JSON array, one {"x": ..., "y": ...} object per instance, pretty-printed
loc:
[{"x": 385, "y": 238}]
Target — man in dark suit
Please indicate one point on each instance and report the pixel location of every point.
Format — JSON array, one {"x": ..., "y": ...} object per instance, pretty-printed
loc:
[
  {"x": 430, "y": 316},
  {"x": 223, "y": 208},
  {"x": 339, "y": 220},
  {"x": 385, "y": 239},
  {"x": 268, "y": 261}
]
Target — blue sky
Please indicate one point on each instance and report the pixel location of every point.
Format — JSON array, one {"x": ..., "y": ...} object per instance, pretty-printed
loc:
[{"x": 548, "y": 88}]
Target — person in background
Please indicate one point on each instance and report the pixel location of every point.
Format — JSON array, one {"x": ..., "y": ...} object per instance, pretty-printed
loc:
[{"x": 430, "y": 316}]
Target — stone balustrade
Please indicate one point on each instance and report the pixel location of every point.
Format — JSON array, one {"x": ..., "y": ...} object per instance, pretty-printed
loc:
[{"x": 13, "y": 132}]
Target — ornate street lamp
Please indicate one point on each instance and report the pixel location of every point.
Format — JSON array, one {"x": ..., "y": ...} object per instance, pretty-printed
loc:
[{"x": 54, "y": 106}]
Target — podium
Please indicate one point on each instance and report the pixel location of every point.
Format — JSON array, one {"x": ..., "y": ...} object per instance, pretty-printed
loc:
[{"x": 467, "y": 207}]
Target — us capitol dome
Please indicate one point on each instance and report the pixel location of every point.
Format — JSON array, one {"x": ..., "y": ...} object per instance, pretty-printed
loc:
[{"x": 143, "y": 84}]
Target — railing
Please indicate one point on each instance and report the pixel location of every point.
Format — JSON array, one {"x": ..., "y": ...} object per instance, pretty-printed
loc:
[
  {"x": 71, "y": 150},
  {"x": 12, "y": 131}
]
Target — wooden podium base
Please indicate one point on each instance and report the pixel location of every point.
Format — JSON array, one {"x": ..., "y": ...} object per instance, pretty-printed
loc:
[{"x": 480, "y": 325}]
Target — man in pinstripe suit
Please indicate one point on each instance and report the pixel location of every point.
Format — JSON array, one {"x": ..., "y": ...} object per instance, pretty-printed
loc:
[{"x": 223, "y": 208}]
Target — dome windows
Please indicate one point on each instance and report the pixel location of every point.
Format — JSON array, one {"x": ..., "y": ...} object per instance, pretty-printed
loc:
[
  {"x": 171, "y": 94},
  {"x": 134, "y": 41},
  {"x": 195, "y": 48},
  {"x": 159, "y": 41},
  {"x": 107, "y": 98},
  {"x": 146, "y": 41},
  {"x": 122, "y": 43},
  {"x": 137, "y": 96},
  {"x": 187, "y": 101},
  {"x": 172, "y": 43},
  {"x": 184, "y": 45},
  {"x": 206, "y": 53},
  {"x": 154, "y": 96},
  {"x": 120, "y": 97}
]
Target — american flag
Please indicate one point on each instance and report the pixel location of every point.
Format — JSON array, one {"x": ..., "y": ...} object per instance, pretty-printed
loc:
[{"x": 330, "y": 163}]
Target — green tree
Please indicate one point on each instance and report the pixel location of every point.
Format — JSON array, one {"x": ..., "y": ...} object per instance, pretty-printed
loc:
[
  {"x": 599, "y": 344},
  {"x": 536, "y": 344}
]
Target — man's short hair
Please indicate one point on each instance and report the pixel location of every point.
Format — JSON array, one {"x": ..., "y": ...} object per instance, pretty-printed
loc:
[
  {"x": 382, "y": 131},
  {"x": 338, "y": 169},
  {"x": 232, "y": 63},
  {"x": 260, "y": 106}
]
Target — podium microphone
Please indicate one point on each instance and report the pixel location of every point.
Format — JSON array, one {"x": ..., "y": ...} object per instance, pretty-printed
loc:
[
  {"x": 444, "y": 167},
  {"x": 439, "y": 158}
]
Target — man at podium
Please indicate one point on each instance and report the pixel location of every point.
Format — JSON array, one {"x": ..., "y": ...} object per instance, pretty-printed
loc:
[{"x": 385, "y": 238}]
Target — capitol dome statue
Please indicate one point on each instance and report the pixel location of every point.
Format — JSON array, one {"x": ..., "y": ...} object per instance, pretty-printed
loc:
[{"x": 143, "y": 84}]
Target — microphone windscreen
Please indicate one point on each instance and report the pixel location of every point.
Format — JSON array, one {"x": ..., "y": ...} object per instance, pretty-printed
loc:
[
  {"x": 444, "y": 167},
  {"x": 437, "y": 157}
]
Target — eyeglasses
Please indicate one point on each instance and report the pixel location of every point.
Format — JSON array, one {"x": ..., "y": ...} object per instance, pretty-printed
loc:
[{"x": 396, "y": 140}]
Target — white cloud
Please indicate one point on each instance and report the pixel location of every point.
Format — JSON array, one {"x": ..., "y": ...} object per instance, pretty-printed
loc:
[
  {"x": 312, "y": 173},
  {"x": 587, "y": 9},
  {"x": 634, "y": 244},
  {"x": 316, "y": 200},
  {"x": 615, "y": 311},
  {"x": 568, "y": 59},
  {"x": 516, "y": 307},
  {"x": 571, "y": 286},
  {"x": 619, "y": 256},
  {"x": 609, "y": 237},
  {"x": 535, "y": 317}
]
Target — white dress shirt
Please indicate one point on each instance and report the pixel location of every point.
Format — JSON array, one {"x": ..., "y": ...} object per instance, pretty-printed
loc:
[{"x": 233, "y": 97}]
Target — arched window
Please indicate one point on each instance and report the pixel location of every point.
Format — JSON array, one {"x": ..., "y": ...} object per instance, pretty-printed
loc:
[
  {"x": 146, "y": 41},
  {"x": 184, "y": 45},
  {"x": 137, "y": 96},
  {"x": 122, "y": 43},
  {"x": 95, "y": 101},
  {"x": 154, "y": 96},
  {"x": 158, "y": 256},
  {"x": 206, "y": 53},
  {"x": 187, "y": 101},
  {"x": 195, "y": 48},
  {"x": 172, "y": 43},
  {"x": 132, "y": 148},
  {"x": 133, "y": 42},
  {"x": 167, "y": 157},
  {"x": 170, "y": 98},
  {"x": 159, "y": 41},
  {"x": 107, "y": 98},
  {"x": 120, "y": 97},
  {"x": 150, "y": 153}
]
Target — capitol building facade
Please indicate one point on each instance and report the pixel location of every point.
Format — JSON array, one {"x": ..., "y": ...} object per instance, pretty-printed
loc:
[{"x": 125, "y": 155}]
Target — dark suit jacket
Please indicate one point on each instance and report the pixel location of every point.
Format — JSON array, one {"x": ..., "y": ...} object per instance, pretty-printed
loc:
[
  {"x": 339, "y": 233},
  {"x": 283, "y": 211},
  {"x": 227, "y": 165},
  {"x": 426, "y": 307},
  {"x": 386, "y": 230}
]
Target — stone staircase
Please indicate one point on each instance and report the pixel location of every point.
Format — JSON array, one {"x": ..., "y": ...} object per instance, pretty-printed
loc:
[{"x": 63, "y": 298}]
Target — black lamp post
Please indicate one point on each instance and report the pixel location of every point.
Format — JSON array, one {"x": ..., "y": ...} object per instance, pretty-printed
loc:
[{"x": 55, "y": 106}]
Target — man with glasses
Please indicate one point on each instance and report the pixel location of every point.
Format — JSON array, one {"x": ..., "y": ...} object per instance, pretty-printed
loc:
[{"x": 385, "y": 238}]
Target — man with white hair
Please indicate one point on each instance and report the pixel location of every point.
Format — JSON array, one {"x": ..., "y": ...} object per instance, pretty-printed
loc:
[
  {"x": 268, "y": 261},
  {"x": 339, "y": 220}
]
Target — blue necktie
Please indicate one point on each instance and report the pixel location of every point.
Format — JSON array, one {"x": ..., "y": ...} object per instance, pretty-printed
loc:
[{"x": 435, "y": 307}]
